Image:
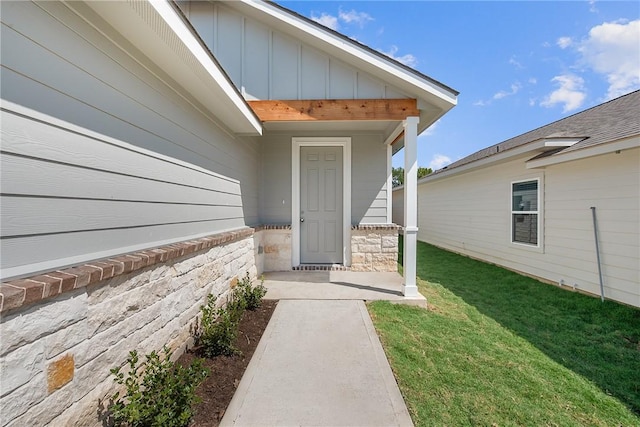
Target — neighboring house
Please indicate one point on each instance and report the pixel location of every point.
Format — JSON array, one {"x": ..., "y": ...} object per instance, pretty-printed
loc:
[
  {"x": 154, "y": 153},
  {"x": 525, "y": 203}
]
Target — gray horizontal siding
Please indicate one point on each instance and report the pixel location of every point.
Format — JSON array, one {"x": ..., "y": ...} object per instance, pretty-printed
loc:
[
  {"x": 103, "y": 154},
  {"x": 368, "y": 179}
]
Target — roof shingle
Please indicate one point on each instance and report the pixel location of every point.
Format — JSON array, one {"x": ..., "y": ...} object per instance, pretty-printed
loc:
[{"x": 611, "y": 121}]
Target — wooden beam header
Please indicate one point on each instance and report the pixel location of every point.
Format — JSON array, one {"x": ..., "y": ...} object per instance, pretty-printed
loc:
[{"x": 335, "y": 109}]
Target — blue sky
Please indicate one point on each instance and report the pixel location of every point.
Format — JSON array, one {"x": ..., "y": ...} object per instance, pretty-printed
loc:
[{"x": 517, "y": 64}]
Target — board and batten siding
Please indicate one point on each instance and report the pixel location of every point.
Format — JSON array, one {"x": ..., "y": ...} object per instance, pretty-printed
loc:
[
  {"x": 470, "y": 213},
  {"x": 368, "y": 178},
  {"x": 102, "y": 153},
  {"x": 267, "y": 64}
]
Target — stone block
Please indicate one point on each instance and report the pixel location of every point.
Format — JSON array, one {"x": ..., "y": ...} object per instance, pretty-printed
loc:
[
  {"x": 21, "y": 365},
  {"x": 86, "y": 411},
  {"x": 373, "y": 240},
  {"x": 357, "y": 258},
  {"x": 115, "y": 310},
  {"x": 369, "y": 248},
  {"x": 118, "y": 285},
  {"x": 21, "y": 399},
  {"x": 187, "y": 264},
  {"x": 101, "y": 342},
  {"x": 358, "y": 239},
  {"x": 65, "y": 339},
  {"x": 40, "y": 320},
  {"x": 60, "y": 372},
  {"x": 389, "y": 241}
]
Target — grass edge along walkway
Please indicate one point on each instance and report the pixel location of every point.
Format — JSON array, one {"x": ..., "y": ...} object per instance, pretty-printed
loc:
[{"x": 498, "y": 348}]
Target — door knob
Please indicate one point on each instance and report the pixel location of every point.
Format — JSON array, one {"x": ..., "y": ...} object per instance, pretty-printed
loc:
[{"x": 301, "y": 219}]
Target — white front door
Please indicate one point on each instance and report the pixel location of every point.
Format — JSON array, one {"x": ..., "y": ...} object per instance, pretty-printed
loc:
[{"x": 321, "y": 200}]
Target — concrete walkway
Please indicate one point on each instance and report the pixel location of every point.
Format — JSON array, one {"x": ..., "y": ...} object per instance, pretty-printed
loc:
[{"x": 319, "y": 363}]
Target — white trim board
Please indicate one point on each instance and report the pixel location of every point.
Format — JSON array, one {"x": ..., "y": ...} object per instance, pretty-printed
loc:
[{"x": 345, "y": 143}]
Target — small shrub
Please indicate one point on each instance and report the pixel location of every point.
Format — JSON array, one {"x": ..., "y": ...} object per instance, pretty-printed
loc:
[
  {"x": 158, "y": 391},
  {"x": 236, "y": 304},
  {"x": 251, "y": 295},
  {"x": 218, "y": 329}
]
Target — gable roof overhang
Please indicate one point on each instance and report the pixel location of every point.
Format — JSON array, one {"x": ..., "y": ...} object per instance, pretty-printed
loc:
[
  {"x": 159, "y": 30},
  {"x": 433, "y": 98}
]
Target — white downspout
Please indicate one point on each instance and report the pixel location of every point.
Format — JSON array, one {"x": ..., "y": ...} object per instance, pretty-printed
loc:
[{"x": 410, "y": 205}]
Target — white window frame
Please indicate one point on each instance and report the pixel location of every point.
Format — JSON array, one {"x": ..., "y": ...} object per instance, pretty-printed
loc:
[
  {"x": 345, "y": 143},
  {"x": 539, "y": 247}
]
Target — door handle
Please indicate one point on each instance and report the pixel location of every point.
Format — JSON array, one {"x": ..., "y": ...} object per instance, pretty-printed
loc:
[{"x": 301, "y": 219}]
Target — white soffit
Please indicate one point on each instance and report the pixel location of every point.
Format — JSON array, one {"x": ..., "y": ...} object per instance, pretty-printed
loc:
[
  {"x": 159, "y": 32},
  {"x": 349, "y": 52}
]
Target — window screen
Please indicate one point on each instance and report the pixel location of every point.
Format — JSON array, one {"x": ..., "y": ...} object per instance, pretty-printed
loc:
[{"x": 524, "y": 212}]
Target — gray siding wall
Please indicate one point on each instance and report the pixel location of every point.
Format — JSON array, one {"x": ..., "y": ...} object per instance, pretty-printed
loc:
[
  {"x": 470, "y": 213},
  {"x": 103, "y": 153},
  {"x": 368, "y": 178},
  {"x": 268, "y": 64},
  {"x": 397, "y": 209}
]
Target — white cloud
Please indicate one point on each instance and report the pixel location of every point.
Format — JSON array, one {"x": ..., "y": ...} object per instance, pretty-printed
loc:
[
  {"x": 407, "y": 59},
  {"x": 612, "y": 49},
  {"x": 431, "y": 129},
  {"x": 564, "y": 42},
  {"x": 438, "y": 161},
  {"x": 353, "y": 17},
  {"x": 533, "y": 80},
  {"x": 592, "y": 7},
  {"x": 513, "y": 61},
  {"x": 515, "y": 87},
  {"x": 570, "y": 93},
  {"x": 326, "y": 20}
]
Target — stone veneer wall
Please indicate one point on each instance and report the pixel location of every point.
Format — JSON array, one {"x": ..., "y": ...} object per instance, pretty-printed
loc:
[
  {"x": 374, "y": 247},
  {"x": 61, "y": 332},
  {"x": 273, "y": 248}
]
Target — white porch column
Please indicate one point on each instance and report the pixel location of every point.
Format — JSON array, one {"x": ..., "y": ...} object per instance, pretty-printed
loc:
[{"x": 410, "y": 205}]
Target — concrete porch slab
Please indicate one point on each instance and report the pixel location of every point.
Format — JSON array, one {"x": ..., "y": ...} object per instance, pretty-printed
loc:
[{"x": 338, "y": 285}]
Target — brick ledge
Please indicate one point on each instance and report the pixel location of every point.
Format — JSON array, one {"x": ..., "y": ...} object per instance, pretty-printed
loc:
[
  {"x": 387, "y": 227},
  {"x": 26, "y": 291}
]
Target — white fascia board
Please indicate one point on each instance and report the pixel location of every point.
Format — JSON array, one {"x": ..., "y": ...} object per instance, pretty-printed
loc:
[
  {"x": 496, "y": 158},
  {"x": 446, "y": 99},
  {"x": 561, "y": 142},
  {"x": 394, "y": 134},
  {"x": 596, "y": 150},
  {"x": 148, "y": 26},
  {"x": 175, "y": 22}
]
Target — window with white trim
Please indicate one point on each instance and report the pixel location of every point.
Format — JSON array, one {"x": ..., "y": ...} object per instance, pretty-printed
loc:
[{"x": 525, "y": 215}]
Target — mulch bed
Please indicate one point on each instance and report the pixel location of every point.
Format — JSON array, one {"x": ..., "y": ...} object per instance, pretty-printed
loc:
[{"x": 226, "y": 371}]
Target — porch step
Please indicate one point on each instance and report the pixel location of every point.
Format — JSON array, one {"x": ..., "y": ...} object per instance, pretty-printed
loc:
[{"x": 321, "y": 267}]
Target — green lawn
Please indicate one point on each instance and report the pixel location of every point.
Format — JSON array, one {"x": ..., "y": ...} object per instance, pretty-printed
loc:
[{"x": 498, "y": 348}]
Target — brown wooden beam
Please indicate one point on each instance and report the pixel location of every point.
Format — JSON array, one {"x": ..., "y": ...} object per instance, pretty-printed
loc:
[
  {"x": 335, "y": 109},
  {"x": 398, "y": 138}
]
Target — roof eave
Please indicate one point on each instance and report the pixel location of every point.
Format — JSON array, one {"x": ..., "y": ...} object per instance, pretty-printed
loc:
[{"x": 159, "y": 30}]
